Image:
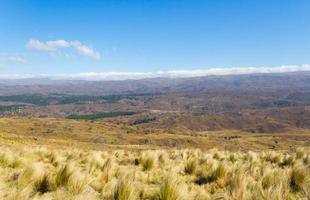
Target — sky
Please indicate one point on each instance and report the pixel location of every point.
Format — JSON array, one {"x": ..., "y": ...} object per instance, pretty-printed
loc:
[{"x": 152, "y": 37}]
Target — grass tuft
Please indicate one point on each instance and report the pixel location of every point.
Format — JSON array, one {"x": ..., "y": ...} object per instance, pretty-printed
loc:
[
  {"x": 42, "y": 185},
  {"x": 63, "y": 175},
  {"x": 299, "y": 179},
  {"x": 147, "y": 162},
  {"x": 170, "y": 190},
  {"x": 77, "y": 183},
  {"x": 124, "y": 191},
  {"x": 190, "y": 166}
]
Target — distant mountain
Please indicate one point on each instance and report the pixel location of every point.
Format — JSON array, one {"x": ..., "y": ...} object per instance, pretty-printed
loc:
[
  {"x": 297, "y": 81},
  {"x": 254, "y": 103}
]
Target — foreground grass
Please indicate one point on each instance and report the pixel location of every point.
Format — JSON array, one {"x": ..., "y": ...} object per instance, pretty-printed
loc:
[{"x": 158, "y": 175}]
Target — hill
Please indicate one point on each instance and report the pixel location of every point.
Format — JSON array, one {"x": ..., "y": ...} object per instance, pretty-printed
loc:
[{"x": 263, "y": 103}]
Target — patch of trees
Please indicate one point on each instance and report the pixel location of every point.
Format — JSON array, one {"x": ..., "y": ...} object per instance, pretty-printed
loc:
[
  {"x": 232, "y": 137},
  {"x": 44, "y": 100},
  {"x": 10, "y": 107},
  {"x": 143, "y": 121},
  {"x": 101, "y": 115}
]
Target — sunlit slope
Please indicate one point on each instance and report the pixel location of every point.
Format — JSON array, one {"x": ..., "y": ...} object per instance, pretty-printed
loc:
[{"x": 67, "y": 133}]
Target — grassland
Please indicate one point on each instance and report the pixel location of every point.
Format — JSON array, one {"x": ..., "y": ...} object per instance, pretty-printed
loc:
[
  {"x": 47, "y": 158},
  {"x": 97, "y": 135},
  {"x": 40, "y": 173}
]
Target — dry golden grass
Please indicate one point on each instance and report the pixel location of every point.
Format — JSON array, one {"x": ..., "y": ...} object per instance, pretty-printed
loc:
[
  {"x": 42, "y": 173},
  {"x": 64, "y": 133},
  {"x": 67, "y": 159}
]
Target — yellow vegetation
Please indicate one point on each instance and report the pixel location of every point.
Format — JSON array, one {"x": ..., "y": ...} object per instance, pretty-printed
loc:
[{"x": 40, "y": 173}]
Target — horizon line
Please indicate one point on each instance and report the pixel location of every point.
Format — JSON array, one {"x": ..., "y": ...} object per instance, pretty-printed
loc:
[{"x": 97, "y": 76}]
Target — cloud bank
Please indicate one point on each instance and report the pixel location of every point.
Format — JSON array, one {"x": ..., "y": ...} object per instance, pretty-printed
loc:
[
  {"x": 165, "y": 74},
  {"x": 63, "y": 44}
]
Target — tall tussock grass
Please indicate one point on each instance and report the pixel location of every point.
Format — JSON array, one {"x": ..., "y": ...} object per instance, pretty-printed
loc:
[
  {"x": 153, "y": 174},
  {"x": 170, "y": 189},
  {"x": 190, "y": 166},
  {"x": 63, "y": 175},
  {"x": 124, "y": 190},
  {"x": 147, "y": 161}
]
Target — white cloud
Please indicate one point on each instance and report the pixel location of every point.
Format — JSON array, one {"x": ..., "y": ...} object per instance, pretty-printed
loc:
[
  {"x": 169, "y": 74},
  {"x": 61, "y": 44},
  {"x": 236, "y": 70},
  {"x": 6, "y": 57},
  {"x": 58, "y": 44},
  {"x": 85, "y": 50},
  {"x": 47, "y": 46},
  {"x": 16, "y": 59},
  {"x": 182, "y": 73}
]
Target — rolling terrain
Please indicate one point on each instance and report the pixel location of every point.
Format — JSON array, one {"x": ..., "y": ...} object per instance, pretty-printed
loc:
[
  {"x": 218, "y": 137},
  {"x": 252, "y": 111},
  {"x": 257, "y": 103}
]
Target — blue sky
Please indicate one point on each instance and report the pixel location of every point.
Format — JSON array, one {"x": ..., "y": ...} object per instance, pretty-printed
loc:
[{"x": 63, "y": 37}]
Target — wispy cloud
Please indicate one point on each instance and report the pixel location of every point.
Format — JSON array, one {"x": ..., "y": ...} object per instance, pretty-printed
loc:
[
  {"x": 2, "y": 66},
  {"x": 167, "y": 74},
  {"x": 55, "y": 45},
  {"x": 47, "y": 46},
  {"x": 16, "y": 59},
  {"x": 6, "y": 57},
  {"x": 85, "y": 50}
]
